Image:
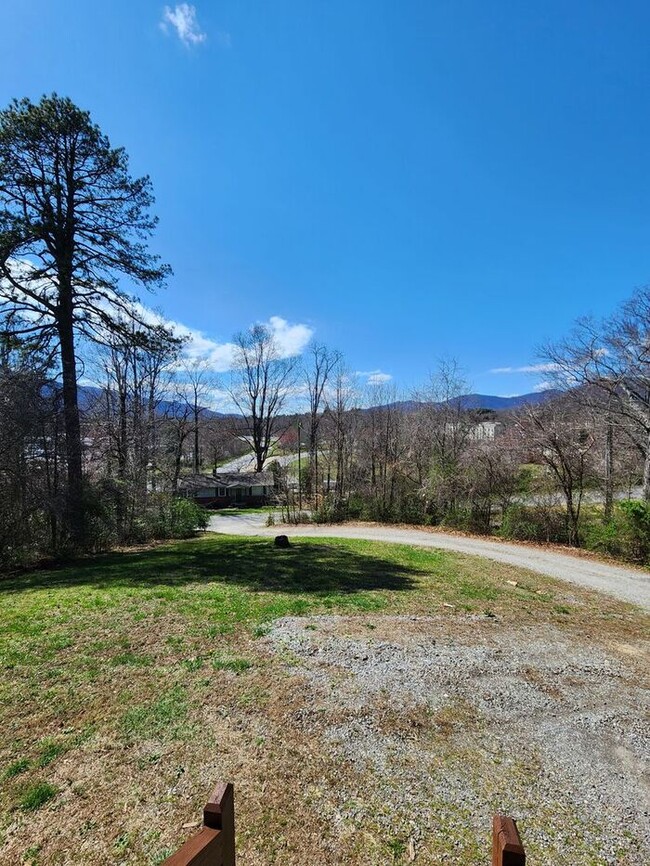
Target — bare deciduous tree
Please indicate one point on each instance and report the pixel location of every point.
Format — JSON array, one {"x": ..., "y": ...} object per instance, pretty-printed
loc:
[
  {"x": 261, "y": 383},
  {"x": 317, "y": 372},
  {"x": 608, "y": 364},
  {"x": 562, "y": 439},
  {"x": 443, "y": 433},
  {"x": 195, "y": 385}
]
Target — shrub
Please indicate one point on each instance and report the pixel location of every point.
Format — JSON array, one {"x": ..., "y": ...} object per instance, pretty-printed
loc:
[
  {"x": 626, "y": 535},
  {"x": 471, "y": 518},
  {"x": 175, "y": 518},
  {"x": 636, "y": 517},
  {"x": 534, "y": 523}
]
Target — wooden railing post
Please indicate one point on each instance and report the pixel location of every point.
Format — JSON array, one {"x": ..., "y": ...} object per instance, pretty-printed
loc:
[
  {"x": 219, "y": 814},
  {"x": 214, "y": 845},
  {"x": 507, "y": 849}
]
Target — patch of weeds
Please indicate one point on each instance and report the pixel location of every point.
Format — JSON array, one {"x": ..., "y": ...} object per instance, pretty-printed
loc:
[
  {"x": 193, "y": 664},
  {"x": 50, "y": 750},
  {"x": 122, "y": 843},
  {"x": 36, "y": 796},
  {"x": 17, "y": 767},
  {"x": 489, "y": 613},
  {"x": 311, "y": 627},
  {"x": 262, "y": 629},
  {"x": 162, "y": 717},
  {"x": 561, "y": 608},
  {"x": 396, "y": 847},
  {"x": 230, "y": 663},
  {"x": 32, "y": 855},
  {"x": 161, "y": 856},
  {"x": 175, "y": 641}
]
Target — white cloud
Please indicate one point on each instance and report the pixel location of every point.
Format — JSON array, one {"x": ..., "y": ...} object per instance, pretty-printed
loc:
[
  {"x": 184, "y": 21},
  {"x": 374, "y": 377},
  {"x": 291, "y": 340},
  {"x": 543, "y": 386},
  {"x": 530, "y": 368}
]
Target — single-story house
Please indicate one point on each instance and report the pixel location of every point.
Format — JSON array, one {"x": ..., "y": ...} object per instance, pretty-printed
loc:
[{"x": 228, "y": 488}]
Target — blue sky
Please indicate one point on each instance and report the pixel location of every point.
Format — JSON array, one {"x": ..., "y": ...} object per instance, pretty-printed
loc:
[{"x": 407, "y": 180}]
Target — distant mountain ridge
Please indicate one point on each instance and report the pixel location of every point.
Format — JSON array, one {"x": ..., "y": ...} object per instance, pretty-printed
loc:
[
  {"x": 484, "y": 401},
  {"x": 90, "y": 395}
]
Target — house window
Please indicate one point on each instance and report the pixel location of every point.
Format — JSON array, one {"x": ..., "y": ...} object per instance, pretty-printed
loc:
[{"x": 222, "y": 491}]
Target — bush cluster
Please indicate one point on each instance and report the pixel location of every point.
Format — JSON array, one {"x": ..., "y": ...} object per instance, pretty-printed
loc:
[
  {"x": 626, "y": 535},
  {"x": 160, "y": 516}
]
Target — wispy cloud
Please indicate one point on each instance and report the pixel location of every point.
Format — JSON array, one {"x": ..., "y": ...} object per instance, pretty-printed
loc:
[
  {"x": 374, "y": 377},
  {"x": 182, "y": 18},
  {"x": 528, "y": 368}
]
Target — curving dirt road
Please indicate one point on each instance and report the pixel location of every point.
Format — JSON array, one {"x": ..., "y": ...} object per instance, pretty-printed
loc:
[{"x": 625, "y": 583}]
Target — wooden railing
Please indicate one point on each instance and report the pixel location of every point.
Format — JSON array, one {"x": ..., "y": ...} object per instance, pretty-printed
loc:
[
  {"x": 214, "y": 845},
  {"x": 507, "y": 849}
]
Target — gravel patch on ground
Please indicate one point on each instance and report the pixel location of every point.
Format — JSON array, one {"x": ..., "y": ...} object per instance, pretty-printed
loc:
[{"x": 439, "y": 722}]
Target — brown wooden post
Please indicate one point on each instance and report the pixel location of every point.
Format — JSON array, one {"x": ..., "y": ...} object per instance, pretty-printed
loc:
[
  {"x": 507, "y": 849},
  {"x": 219, "y": 814},
  {"x": 214, "y": 845}
]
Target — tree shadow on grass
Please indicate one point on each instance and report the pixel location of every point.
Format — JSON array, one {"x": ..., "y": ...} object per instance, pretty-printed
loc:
[{"x": 250, "y": 563}]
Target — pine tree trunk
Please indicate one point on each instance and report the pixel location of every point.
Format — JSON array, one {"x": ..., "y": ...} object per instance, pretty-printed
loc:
[{"x": 74, "y": 500}]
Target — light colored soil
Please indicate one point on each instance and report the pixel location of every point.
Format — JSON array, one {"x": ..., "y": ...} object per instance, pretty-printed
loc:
[
  {"x": 438, "y": 723},
  {"x": 627, "y": 584}
]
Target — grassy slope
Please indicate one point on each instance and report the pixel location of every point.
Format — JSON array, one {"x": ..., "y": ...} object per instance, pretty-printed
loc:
[{"x": 131, "y": 682}]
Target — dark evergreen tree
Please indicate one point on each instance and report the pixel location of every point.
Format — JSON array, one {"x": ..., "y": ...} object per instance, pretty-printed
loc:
[{"x": 73, "y": 224}]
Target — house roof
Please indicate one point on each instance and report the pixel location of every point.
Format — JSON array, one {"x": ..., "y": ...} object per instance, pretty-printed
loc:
[{"x": 227, "y": 479}]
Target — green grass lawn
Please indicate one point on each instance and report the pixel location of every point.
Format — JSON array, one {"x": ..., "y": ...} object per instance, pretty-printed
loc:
[{"x": 132, "y": 681}]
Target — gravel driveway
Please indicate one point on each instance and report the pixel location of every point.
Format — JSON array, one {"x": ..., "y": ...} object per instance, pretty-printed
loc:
[
  {"x": 439, "y": 722},
  {"x": 626, "y": 584}
]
